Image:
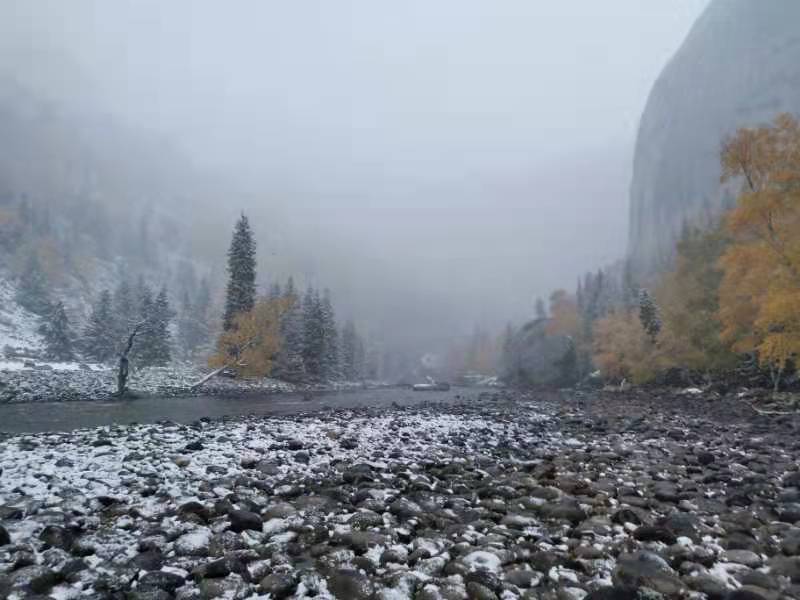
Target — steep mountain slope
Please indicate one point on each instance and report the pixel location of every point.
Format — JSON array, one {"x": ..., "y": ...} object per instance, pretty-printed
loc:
[{"x": 739, "y": 66}]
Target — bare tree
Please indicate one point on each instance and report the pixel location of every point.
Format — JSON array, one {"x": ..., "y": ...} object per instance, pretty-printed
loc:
[{"x": 124, "y": 363}]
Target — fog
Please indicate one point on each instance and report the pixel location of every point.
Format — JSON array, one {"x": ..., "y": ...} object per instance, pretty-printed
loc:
[{"x": 437, "y": 164}]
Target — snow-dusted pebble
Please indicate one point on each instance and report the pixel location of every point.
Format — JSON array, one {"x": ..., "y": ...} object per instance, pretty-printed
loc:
[{"x": 506, "y": 496}]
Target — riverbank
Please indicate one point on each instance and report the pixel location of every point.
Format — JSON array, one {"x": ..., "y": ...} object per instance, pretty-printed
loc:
[
  {"x": 546, "y": 496},
  {"x": 25, "y": 382}
]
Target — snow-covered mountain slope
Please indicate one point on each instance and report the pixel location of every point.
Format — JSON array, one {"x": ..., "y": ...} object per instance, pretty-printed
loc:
[{"x": 18, "y": 327}]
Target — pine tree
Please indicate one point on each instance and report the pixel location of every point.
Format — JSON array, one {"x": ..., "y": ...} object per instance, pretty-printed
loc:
[
  {"x": 648, "y": 315},
  {"x": 193, "y": 331},
  {"x": 124, "y": 312},
  {"x": 289, "y": 291},
  {"x": 275, "y": 291},
  {"x": 630, "y": 296},
  {"x": 143, "y": 352},
  {"x": 57, "y": 333},
  {"x": 98, "y": 341},
  {"x": 289, "y": 363},
  {"x": 161, "y": 337},
  {"x": 241, "y": 292},
  {"x": 360, "y": 362},
  {"x": 313, "y": 335},
  {"x": 331, "y": 368},
  {"x": 32, "y": 291},
  {"x": 541, "y": 311},
  {"x": 349, "y": 352},
  {"x": 187, "y": 326}
]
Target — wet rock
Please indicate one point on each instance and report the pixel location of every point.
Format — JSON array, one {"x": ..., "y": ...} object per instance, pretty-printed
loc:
[
  {"x": 5, "y": 538},
  {"x": 705, "y": 458},
  {"x": 365, "y": 519},
  {"x": 232, "y": 587},
  {"x": 523, "y": 578},
  {"x": 476, "y": 591},
  {"x": 568, "y": 510},
  {"x": 786, "y": 566},
  {"x": 615, "y": 593},
  {"x": 645, "y": 569},
  {"x": 654, "y": 533},
  {"x": 195, "y": 508},
  {"x": 789, "y": 512},
  {"x": 160, "y": 580},
  {"x": 34, "y": 578},
  {"x": 278, "y": 585},
  {"x": 280, "y": 510},
  {"x": 404, "y": 508},
  {"x": 242, "y": 520},
  {"x": 194, "y": 446},
  {"x": 348, "y": 584},
  {"x": 791, "y": 542},
  {"x": 744, "y": 557},
  {"x": 54, "y": 536}
]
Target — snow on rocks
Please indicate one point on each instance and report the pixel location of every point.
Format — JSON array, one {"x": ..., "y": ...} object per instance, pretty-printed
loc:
[
  {"x": 489, "y": 499},
  {"x": 40, "y": 381}
]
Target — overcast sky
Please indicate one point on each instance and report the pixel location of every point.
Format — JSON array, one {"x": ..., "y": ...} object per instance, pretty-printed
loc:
[{"x": 469, "y": 154}]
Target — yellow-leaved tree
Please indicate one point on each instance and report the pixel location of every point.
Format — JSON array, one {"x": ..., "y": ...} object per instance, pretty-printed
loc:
[
  {"x": 688, "y": 298},
  {"x": 251, "y": 345},
  {"x": 623, "y": 350},
  {"x": 564, "y": 316},
  {"x": 760, "y": 290}
]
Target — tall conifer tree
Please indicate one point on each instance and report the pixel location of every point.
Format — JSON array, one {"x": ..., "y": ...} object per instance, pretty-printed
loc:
[
  {"x": 98, "y": 341},
  {"x": 241, "y": 293},
  {"x": 57, "y": 333}
]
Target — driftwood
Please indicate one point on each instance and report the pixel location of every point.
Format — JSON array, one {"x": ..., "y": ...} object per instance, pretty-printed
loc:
[
  {"x": 761, "y": 411},
  {"x": 236, "y": 361},
  {"x": 124, "y": 363}
]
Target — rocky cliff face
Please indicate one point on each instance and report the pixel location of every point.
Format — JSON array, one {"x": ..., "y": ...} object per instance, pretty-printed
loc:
[{"x": 739, "y": 66}]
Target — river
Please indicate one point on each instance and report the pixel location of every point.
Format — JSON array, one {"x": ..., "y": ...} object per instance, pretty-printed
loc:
[{"x": 66, "y": 416}]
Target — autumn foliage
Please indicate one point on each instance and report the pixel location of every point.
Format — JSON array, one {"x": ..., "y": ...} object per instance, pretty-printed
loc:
[
  {"x": 734, "y": 289},
  {"x": 760, "y": 291},
  {"x": 251, "y": 345}
]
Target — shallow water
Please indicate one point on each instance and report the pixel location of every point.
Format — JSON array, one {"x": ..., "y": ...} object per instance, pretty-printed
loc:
[{"x": 66, "y": 416}]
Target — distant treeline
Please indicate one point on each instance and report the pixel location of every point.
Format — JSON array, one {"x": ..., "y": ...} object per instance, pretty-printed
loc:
[{"x": 730, "y": 302}]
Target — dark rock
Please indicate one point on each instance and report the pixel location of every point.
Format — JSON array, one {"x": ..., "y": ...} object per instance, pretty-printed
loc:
[
  {"x": 160, "y": 580},
  {"x": 55, "y": 536},
  {"x": 476, "y": 591},
  {"x": 789, "y": 512},
  {"x": 791, "y": 542},
  {"x": 705, "y": 458},
  {"x": 194, "y": 446},
  {"x": 365, "y": 519},
  {"x": 348, "y": 444},
  {"x": 347, "y": 584},
  {"x": 5, "y": 537},
  {"x": 567, "y": 509},
  {"x": 278, "y": 585},
  {"x": 786, "y": 566},
  {"x": 195, "y": 508},
  {"x": 522, "y": 578},
  {"x": 405, "y": 509},
  {"x": 749, "y": 593},
  {"x": 654, "y": 533},
  {"x": 35, "y": 578},
  {"x": 151, "y": 560},
  {"x": 242, "y": 520},
  {"x": 216, "y": 568},
  {"x": 645, "y": 569},
  {"x": 614, "y": 593}
]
